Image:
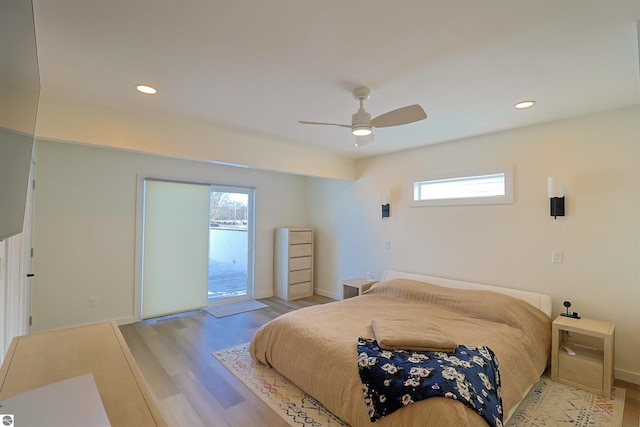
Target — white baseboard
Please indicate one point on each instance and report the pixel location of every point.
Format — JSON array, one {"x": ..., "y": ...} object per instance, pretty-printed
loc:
[
  {"x": 327, "y": 294},
  {"x": 630, "y": 377},
  {"x": 263, "y": 295},
  {"x": 126, "y": 320}
]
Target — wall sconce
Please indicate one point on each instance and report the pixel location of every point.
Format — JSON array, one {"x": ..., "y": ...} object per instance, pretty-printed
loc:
[
  {"x": 384, "y": 201},
  {"x": 556, "y": 196}
]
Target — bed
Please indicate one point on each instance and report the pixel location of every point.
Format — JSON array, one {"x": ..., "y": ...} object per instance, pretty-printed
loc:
[{"x": 318, "y": 347}]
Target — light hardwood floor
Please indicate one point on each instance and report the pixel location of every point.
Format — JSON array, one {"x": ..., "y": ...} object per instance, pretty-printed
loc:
[{"x": 193, "y": 389}]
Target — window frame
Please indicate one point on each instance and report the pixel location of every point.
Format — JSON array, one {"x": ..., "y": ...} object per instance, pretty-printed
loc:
[{"x": 507, "y": 198}]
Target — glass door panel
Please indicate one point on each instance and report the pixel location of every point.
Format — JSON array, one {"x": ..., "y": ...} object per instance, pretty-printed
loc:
[{"x": 230, "y": 244}]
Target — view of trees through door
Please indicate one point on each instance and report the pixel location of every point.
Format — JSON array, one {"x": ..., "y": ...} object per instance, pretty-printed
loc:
[{"x": 229, "y": 244}]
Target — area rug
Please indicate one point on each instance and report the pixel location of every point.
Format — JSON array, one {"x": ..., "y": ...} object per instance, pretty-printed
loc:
[
  {"x": 548, "y": 404},
  {"x": 552, "y": 404},
  {"x": 234, "y": 308}
]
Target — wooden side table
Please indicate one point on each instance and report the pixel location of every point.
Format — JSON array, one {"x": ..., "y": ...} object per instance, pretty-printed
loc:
[
  {"x": 582, "y": 354},
  {"x": 355, "y": 287}
]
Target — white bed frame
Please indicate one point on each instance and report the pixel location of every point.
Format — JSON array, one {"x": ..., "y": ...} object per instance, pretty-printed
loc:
[{"x": 540, "y": 301}]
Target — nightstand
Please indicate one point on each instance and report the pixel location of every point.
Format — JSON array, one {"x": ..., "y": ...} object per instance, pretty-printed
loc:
[
  {"x": 355, "y": 287},
  {"x": 588, "y": 364}
]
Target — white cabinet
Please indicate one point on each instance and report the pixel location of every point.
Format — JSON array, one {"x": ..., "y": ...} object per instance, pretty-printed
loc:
[{"x": 293, "y": 263}]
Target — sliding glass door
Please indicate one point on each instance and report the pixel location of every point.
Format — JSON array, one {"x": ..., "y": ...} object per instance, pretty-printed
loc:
[{"x": 197, "y": 246}]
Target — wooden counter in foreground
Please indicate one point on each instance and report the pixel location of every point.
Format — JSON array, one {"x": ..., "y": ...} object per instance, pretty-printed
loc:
[{"x": 44, "y": 358}]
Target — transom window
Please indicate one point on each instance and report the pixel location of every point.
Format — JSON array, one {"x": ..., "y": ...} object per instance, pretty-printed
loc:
[{"x": 488, "y": 186}]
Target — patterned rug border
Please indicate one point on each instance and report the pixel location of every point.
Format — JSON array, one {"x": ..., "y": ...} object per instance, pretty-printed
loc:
[
  {"x": 294, "y": 406},
  {"x": 298, "y": 408},
  {"x": 583, "y": 409}
]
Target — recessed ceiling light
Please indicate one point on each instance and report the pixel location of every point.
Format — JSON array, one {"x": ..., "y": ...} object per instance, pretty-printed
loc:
[
  {"x": 147, "y": 90},
  {"x": 524, "y": 104}
]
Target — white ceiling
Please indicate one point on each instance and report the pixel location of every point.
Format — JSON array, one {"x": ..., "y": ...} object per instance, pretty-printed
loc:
[{"x": 260, "y": 66}]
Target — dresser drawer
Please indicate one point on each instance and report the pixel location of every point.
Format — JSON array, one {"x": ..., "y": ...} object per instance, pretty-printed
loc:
[
  {"x": 302, "y": 263},
  {"x": 299, "y": 276},
  {"x": 299, "y": 250},
  {"x": 300, "y": 290},
  {"x": 297, "y": 237}
]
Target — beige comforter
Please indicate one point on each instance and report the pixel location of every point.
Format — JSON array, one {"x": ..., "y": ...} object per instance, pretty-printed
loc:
[{"x": 315, "y": 347}]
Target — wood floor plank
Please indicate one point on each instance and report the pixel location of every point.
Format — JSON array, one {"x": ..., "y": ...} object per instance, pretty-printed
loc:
[
  {"x": 178, "y": 411},
  {"x": 206, "y": 405},
  {"x": 170, "y": 356},
  {"x": 246, "y": 415},
  {"x": 196, "y": 351}
]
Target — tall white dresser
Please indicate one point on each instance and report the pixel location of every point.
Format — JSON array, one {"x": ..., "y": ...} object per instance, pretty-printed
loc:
[{"x": 293, "y": 263}]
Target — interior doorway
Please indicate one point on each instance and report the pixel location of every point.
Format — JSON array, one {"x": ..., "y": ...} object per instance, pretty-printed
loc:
[{"x": 230, "y": 244}]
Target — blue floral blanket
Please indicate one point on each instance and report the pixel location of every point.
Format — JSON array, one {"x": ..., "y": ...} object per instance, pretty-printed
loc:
[{"x": 394, "y": 379}]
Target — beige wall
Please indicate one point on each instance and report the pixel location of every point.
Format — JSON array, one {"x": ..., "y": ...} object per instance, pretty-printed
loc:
[
  {"x": 85, "y": 226},
  {"x": 598, "y": 157}
]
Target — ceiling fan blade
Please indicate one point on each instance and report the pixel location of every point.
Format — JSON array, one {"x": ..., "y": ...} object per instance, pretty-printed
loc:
[
  {"x": 401, "y": 116},
  {"x": 323, "y": 123},
  {"x": 361, "y": 141}
]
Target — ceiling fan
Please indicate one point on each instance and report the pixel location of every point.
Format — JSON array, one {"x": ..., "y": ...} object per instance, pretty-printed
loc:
[{"x": 362, "y": 124}]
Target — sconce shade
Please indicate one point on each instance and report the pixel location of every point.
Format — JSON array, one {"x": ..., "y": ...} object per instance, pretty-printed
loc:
[
  {"x": 384, "y": 198},
  {"x": 555, "y": 187}
]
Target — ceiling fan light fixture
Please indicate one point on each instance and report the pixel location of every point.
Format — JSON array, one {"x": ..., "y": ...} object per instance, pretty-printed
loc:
[{"x": 361, "y": 130}]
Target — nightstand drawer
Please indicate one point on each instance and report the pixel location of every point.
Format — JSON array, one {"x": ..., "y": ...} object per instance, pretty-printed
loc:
[{"x": 580, "y": 371}]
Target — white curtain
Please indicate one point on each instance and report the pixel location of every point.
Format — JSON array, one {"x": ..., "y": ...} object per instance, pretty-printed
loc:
[{"x": 175, "y": 247}]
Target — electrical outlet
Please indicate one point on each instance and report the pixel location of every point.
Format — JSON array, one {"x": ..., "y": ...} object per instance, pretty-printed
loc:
[
  {"x": 93, "y": 302},
  {"x": 556, "y": 256}
]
